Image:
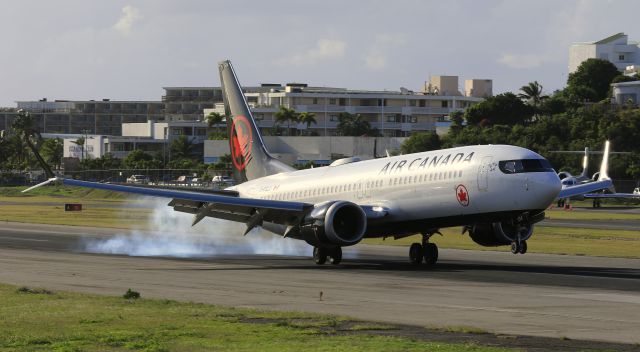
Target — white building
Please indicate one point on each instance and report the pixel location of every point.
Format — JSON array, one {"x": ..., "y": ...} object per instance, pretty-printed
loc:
[
  {"x": 616, "y": 49},
  {"x": 626, "y": 93},
  {"x": 393, "y": 113}
]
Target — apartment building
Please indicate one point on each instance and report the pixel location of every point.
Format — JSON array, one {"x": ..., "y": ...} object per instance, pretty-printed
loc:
[
  {"x": 617, "y": 49},
  {"x": 392, "y": 113}
]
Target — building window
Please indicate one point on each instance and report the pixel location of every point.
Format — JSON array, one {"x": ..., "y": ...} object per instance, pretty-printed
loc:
[
  {"x": 621, "y": 57},
  {"x": 333, "y": 117},
  {"x": 412, "y": 103},
  {"x": 343, "y": 102},
  {"x": 332, "y": 101},
  {"x": 423, "y": 103},
  {"x": 445, "y": 104},
  {"x": 315, "y": 101}
]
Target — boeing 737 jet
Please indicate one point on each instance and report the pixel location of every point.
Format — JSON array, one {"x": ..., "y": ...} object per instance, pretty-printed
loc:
[{"x": 495, "y": 192}]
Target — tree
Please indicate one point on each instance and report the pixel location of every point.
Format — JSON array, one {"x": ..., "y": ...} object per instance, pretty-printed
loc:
[
  {"x": 354, "y": 125},
  {"x": 457, "y": 120},
  {"x": 137, "y": 159},
  {"x": 420, "y": 142},
  {"x": 308, "y": 118},
  {"x": 596, "y": 74},
  {"x": 288, "y": 115},
  {"x": 182, "y": 148},
  {"x": 52, "y": 151},
  {"x": 214, "y": 119},
  {"x": 505, "y": 108},
  {"x": 80, "y": 142},
  {"x": 532, "y": 94}
]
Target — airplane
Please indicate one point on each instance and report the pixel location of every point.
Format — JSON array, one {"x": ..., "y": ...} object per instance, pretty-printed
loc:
[
  {"x": 495, "y": 192},
  {"x": 583, "y": 187}
]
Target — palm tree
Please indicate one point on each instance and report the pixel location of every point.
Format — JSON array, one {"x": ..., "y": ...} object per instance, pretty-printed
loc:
[
  {"x": 307, "y": 118},
  {"x": 182, "y": 148},
  {"x": 80, "y": 142},
  {"x": 214, "y": 119},
  {"x": 354, "y": 125},
  {"x": 287, "y": 115},
  {"x": 24, "y": 127},
  {"x": 532, "y": 94}
]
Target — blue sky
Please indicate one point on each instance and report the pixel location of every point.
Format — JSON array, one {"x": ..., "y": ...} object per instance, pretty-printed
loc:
[{"x": 129, "y": 50}]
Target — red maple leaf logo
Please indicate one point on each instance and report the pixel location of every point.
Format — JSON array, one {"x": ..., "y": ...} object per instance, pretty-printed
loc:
[
  {"x": 241, "y": 141},
  {"x": 462, "y": 195}
]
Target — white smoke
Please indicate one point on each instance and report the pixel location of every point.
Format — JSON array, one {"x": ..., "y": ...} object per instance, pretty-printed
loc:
[{"x": 170, "y": 234}]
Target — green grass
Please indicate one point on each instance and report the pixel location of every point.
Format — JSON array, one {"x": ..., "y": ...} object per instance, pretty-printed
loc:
[
  {"x": 57, "y": 192},
  {"x": 59, "y": 321},
  {"x": 553, "y": 240},
  {"x": 560, "y": 214}
]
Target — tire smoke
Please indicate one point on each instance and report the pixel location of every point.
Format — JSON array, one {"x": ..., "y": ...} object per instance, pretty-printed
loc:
[{"x": 170, "y": 234}]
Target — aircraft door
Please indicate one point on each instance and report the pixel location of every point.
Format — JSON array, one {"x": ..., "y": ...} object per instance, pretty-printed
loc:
[{"x": 483, "y": 173}]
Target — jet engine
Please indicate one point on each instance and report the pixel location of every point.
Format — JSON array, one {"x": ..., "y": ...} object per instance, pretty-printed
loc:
[
  {"x": 338, "y": 223},
  {"x": 504, "y": 232}
]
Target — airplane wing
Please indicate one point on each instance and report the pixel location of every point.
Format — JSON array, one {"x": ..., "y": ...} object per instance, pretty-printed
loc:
[
  {"x": 612, "y": 195},
  {"x": 584, "y": 188},
  {"x": 220, "y": 204}
]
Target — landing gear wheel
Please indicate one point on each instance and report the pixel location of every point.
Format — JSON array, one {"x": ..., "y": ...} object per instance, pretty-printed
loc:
[
  {"x": 523, "y": 247},
  {"x": 430, "y": 253},
  {"x": 515, "y": 247},
  {"x": 335, "y": 255},
  {"x": 416, "y": 252},
  {"x": 319, "y": 255}
]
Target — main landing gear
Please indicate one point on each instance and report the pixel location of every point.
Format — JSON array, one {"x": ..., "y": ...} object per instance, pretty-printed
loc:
[
  {"x": 426, "y": 251},
  {"x": 321, "y": 254},
  {"x": 519, "y": 247}
]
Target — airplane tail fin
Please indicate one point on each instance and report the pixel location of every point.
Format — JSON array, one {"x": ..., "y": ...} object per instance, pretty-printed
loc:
[
  {"x": 249, "y": 154},
  {"x": 604, "y": 166},
  {"x": 585, "y": 164}
]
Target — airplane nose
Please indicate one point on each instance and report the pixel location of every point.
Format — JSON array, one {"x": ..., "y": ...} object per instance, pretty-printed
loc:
[{"x": 547, "y": 188}]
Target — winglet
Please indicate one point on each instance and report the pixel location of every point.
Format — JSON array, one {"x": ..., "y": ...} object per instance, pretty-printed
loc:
[
  {"x": 585, "y": 164},
  {"x": 604, "y": 166},
  {"x": 51, "y": 180}
]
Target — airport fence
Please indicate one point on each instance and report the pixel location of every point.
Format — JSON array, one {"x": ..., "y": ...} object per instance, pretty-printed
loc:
[{"x": 160, "y": 177}]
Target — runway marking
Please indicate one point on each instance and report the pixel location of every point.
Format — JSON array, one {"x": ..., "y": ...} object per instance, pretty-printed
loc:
[{"x": 24, "y": 239}]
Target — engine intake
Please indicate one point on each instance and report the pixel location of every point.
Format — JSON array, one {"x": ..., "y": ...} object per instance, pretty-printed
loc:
[
  {"x": 338, "y": 223},
  {"x": 500, "y": 233}
]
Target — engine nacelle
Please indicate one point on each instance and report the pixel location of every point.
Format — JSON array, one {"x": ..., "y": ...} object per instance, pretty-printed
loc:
[
  {"x": 499, "y": 233},
  {"x": 338, "y": 223}
]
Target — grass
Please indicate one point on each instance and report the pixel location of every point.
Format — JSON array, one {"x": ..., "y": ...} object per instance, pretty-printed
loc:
[
  {"x": 53, "y": 192},
  {"x": 60, "y": 321},
  {"x": 553, "y": 240},
  {"x": 91, "y": 215},
  {"x": 603, "y": 215}
]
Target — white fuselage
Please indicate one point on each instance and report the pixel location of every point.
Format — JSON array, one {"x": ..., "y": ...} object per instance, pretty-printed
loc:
[{"x": 437, "y": 184}]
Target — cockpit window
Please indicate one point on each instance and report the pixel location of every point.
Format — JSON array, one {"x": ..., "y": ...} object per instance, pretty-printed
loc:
[{"x": 525, "y": 165}]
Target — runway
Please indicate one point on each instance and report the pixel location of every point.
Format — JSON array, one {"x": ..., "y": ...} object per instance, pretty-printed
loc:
[{"x": 576, "y": 297}]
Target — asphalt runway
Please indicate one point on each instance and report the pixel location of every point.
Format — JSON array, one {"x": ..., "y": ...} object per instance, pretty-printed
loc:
[{"x": 575, "y": 297}]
